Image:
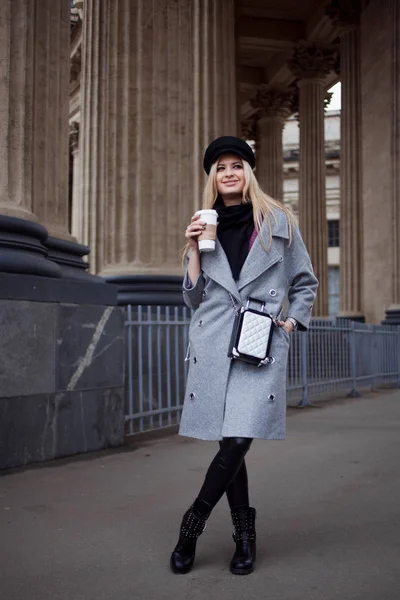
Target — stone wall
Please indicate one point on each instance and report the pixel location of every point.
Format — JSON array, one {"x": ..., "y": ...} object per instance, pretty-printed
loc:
[{"x": 61, "y": 380}]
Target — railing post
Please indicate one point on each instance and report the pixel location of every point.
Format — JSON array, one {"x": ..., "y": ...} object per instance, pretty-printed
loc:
[
  {"x": 398, "y": 354},
  {"x": 353, "y": 365},
  {"x": 304, "y": 371},
  {"x": 130, "y": 363}
]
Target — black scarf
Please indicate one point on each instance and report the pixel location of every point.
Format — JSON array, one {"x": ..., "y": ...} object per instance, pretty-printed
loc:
[{"x": 235, "y": 226}]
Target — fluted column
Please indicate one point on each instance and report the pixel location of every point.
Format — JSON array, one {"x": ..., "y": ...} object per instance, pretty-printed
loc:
[
  {"x": 34, "y": 112},
  {"x": 346, "y": 14},
  {"x": 93, "y": 126},
  {"x": 76, "y": 205},
  {"x": 392, "y": 316},
  {"x": 214, "y": 99},
  {"x": 52, "y": 71},
  {"x": 310, "y": 64},
  {"x": 158, "y": 84},
  {"x": 274, "y": 108},
  {"x": 17, "y": 29},
  {"x": 34, "y": 52}
]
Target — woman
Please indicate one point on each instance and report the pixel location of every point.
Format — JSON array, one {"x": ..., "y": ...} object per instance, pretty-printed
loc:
[{"x": 259, "y": 254}]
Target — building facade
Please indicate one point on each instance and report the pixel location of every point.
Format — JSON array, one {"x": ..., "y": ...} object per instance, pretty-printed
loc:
[
  {"x": 291, "y": 168},
  {"x": 150, "y": 84},
  {"x": 106, "y": 109}
]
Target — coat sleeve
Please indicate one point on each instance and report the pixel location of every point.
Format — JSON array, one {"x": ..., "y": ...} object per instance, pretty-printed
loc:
[
  {"x": 192, "y": 292},
  {"x": 302, "y": 282}
]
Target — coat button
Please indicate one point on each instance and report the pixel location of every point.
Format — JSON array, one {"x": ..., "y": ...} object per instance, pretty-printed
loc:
[
  {"x": 281, "y": 259},
  {"x": 192, "y": 396},
  {"x": 272, "y": 292},
  {"x": 200, "y": 323},
  {"x": 194, "y": 360},
  {"x": 271, "y": 398},
  {"x": 204, "y": 294}
]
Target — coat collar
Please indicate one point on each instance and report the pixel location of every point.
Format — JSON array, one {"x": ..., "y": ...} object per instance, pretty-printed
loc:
[{"x": 216, "y": 266}]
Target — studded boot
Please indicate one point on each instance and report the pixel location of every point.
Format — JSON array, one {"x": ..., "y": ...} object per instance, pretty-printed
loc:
[
  {"x": 243, "y": 560},
  {"x": 183, "y": 556}
]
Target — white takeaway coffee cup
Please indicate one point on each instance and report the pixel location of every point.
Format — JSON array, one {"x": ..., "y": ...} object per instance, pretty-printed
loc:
[{"x": 208, "y": 236}]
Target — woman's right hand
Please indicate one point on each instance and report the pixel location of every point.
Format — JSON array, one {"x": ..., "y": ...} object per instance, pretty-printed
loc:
[{"x": 193, "y": 231}]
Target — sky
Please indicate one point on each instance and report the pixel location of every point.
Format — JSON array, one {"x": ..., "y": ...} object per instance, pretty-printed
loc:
[{"x": 335, "y": 103}]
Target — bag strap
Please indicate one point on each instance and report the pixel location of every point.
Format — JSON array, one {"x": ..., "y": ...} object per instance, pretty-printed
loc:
[{"x": 261, "y": 303}]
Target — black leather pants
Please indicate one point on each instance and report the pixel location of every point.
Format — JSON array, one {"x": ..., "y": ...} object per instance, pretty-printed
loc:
[{"x": 227, "y": 473}]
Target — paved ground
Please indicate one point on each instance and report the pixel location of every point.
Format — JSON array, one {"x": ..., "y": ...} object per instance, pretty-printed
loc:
[{"x": 328, "y": 503}]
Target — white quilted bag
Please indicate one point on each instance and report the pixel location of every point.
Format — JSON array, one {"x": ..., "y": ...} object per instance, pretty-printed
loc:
[{"x": 254, "y": 335}]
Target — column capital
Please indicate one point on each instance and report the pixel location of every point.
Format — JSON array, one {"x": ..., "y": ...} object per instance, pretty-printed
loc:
[
  {"x": 74, "y": 136},
  {"x": 273, "y": 102},
  {"x": 312, "y": 61},
  {"x": 248, "y": 127},
  {"x": 345, "y": 14}
]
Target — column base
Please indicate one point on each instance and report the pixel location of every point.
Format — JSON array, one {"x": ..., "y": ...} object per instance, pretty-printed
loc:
[
  {"x": 154, "y": 290},
  {"x": 22, "y": 248},
  {"x": 351, "y": 316},
  {"x": 69, "y": 256},
  {"x": 392, "y": 315}
]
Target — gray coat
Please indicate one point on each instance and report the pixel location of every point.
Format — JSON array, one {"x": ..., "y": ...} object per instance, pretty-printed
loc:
[{"x": 227, "y": 398}]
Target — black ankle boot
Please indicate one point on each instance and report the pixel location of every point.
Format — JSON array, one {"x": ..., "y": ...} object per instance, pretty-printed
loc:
[
  {"x": 183, "y": 556},
  {"x": 245, "y": 539}
]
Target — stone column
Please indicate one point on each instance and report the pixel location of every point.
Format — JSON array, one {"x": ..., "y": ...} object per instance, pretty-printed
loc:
[
  {"x": 274, "y": 108},
  {"x": 311, "y": 64},
  {"x": 346, "y": 14},
  {"x": 50, "y": 114},
  {"x": 392, "y": 316},
  {"x": 16, "y": 100},
  {"x": 34, "y": 46},
  {"x": 21, "y": 236},
  {"x": 214, "y": 100},
  {"x": 76, "y": 205},
  {"x": 158, "y": 85}
]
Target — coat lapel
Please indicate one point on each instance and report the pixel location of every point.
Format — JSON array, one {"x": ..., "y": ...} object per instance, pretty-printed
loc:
[
  {"x": 258, "y": 260},
  {"x": 216, "y": 266}
]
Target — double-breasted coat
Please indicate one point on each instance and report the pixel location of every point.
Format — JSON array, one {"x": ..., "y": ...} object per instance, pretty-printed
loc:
[{"x": 230, "y": 398}]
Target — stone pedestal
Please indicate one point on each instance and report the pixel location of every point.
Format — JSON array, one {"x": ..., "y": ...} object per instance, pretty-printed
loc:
[
  {"x": 61, "y": 381},
  {"x": 274, "y": 108},
  {"x": 311, "y": 64},
  {"x": 158, "y": 85}
]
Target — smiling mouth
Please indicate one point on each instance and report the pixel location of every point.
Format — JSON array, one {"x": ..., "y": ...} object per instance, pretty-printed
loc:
[{"x": 230, "y": 182}]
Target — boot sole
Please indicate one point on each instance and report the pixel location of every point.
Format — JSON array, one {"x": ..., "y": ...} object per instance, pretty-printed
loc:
[
  {"x": 241, "y": 571},
  {"x": 179, "y": 572}
]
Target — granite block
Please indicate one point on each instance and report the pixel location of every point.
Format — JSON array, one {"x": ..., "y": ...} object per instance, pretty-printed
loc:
[
  {"x": 27, "y": 347},
  {"x": 47, "y": 426},
  {"x": 48, "y": 289},
  {"x": 90, "y": 347}
]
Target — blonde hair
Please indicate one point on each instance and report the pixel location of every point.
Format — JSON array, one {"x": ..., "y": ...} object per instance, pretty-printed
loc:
[{"x": 263, "y": 205}]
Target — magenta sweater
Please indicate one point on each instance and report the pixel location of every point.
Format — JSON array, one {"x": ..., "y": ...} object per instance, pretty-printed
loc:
[{"x": 252, "y": 238}]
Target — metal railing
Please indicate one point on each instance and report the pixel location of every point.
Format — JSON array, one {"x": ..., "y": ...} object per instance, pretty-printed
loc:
[{"x": 332, "y": 356}]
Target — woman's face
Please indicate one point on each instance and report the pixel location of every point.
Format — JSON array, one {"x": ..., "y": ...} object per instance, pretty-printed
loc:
[{"x": 230, "y": 176}]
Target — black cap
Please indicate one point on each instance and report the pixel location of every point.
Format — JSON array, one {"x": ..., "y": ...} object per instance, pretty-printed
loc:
[{"x": 225, "y": 144}]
